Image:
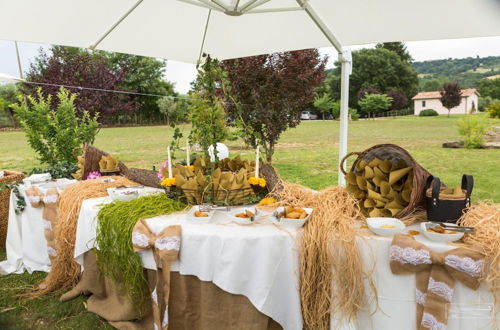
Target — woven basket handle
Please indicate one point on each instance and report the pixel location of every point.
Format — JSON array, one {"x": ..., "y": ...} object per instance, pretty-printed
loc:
[{"x": 345, "y": 158}]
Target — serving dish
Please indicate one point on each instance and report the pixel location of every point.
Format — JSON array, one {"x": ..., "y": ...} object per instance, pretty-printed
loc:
[
  {"x": 447, "y": 236},
  {"x": 277, "y": 218},
  {"x": 385, "y": 226},
  {"x": 243, "y": 216},
  {"x": 193, "y": 215}
]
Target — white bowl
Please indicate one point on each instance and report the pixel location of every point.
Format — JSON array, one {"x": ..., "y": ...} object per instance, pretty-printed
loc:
[
  {"x": 291, "y": 223},
  {"x": 123, "y": 194},
  {"x": 375, "y": 226},
  {"x": 243, "y": 221},
  {"x": 437, "y": 237},
  {"x": 190, "y": 217}
]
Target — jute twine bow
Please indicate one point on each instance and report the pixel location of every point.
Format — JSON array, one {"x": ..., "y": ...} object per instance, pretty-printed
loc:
[
  {"x": 50, "y": 215},
  {"x": 165, "y": 246},
  {"x": 436, "y": 274}
]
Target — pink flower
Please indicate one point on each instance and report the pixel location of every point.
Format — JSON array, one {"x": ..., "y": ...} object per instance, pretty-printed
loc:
[
  {"x": 93, "y": 175},
  {"x": 163, "y": 166}
]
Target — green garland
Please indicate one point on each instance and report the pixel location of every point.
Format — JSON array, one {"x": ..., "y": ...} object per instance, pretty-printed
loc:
[
  {"x": 20, "y": 201},
  {"x": 115, "y": 256}
]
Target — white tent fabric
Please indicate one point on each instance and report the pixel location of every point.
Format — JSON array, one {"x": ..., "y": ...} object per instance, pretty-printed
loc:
[
  {"x": 174, "y": 29},
  {"x": 9, "y": 78},
  {"x": 182, "y": 29}
]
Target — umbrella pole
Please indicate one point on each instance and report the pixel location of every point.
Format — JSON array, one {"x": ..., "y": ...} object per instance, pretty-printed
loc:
[{"x": 346, "y": 68}]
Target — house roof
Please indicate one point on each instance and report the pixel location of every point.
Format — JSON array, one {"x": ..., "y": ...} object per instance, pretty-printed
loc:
[{"x": 437, "y": 94}]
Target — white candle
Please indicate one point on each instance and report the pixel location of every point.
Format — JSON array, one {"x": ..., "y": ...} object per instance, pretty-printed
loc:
[
  {"x": 257, "y": 162},
  {"x": 169, "y": 164},
  {"x": 188, "y": 162}
]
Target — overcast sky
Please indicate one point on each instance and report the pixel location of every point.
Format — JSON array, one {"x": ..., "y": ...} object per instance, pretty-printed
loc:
[{"x": 182, "y": 73}]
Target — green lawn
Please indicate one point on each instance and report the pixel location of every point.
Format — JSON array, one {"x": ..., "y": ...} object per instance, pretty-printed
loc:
[{"x": 307, "y": 155}]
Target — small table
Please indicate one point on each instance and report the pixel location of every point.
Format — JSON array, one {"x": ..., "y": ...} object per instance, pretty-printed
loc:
[
  {"x": 26, "y": 245},
  {"x": 259, "y": 261}
]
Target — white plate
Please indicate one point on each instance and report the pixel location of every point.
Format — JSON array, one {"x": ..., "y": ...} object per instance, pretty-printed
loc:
[
  {"x": 291, "y": 223},
  {"x": 375, "y": 226},
  {"x": 123, "y": 194},
  {"x": 190, "y": 217},
  {"x": 243, "y": 221},
  {"x": 443, "y": 238}
]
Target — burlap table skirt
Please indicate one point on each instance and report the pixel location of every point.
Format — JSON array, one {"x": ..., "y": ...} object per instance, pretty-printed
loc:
[{"x": 193, "y": 304}]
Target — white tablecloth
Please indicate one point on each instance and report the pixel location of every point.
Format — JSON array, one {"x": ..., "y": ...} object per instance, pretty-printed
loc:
[
  {"x": 26, "y": 245},
  {"x": 396, "y": 293},
  {"x": 257, "y": 261}
]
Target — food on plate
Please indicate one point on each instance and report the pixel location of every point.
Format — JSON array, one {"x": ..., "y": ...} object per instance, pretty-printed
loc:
[
  {"x": 435, "y": 230},
  {"x": 247, "y": 214},
  {"x": 294, "y": 213},
  {"x": 267, "y": 201},
  {"x": 387, "y": 226},
  {"x": 413, "y": 232},
  {"x": 200, "y": 214}
]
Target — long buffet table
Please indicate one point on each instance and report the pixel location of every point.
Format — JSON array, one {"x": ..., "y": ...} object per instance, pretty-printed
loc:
[{"x": 260, "y": 261}]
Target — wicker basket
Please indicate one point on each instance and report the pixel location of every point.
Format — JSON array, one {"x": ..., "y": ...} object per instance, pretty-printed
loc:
[
  {"x": 217, "y": 196},
  {"x": 9, "y": 177},
  {"x": 393, "y": 153}
]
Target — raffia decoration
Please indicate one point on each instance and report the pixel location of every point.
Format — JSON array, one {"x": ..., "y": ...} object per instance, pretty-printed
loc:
[
  {"x": 329, "y": 254},
  {"x": 485, "y": 218},
  {"x": 65, "y": 271}
]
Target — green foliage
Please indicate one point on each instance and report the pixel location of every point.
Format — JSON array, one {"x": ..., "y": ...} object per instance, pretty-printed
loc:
[
  {"x": 54, "y": 134},
  {"x": 485, "y": 102},
  {"x": 473, "y": 128},
  {"x": 428, "y": 113},
  {"x": 8, "y": 97},
  {"x": 494, "y": 110},
  {"x": 323, "y": 103},
  {"x": 336, "y": 111},
  {"x": 399, "y": 48},
  {"x": 489, "y": 88},
  {"x": 207, "y": 114},
  {"x": 375, "y": 103},
  {"x": 58, "y": 171},
  {"x": 431, "y": 85},
  {"x": 174, "y": 110},
  {"x": 468, "y": 72},
  {"x": 20, "y": 201},
  {"x": 115, "y": 256},
  {"x": 379, "y": 68}
]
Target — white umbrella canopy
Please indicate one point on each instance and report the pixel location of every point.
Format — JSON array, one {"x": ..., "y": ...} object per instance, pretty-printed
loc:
[
  {"x": 8, "y": 78},
  {"x": 183, "y": 29},
  {"x": 175, "y": 29}
]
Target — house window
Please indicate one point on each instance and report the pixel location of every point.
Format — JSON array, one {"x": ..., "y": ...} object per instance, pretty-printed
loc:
[{"x": 423, "y": 104}]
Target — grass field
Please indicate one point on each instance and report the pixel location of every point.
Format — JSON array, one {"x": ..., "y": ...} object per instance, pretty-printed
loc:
[{"x": 307, "y": 155}]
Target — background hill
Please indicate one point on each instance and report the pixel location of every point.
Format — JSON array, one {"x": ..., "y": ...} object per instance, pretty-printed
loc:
[{"x": 466, "y": 71}]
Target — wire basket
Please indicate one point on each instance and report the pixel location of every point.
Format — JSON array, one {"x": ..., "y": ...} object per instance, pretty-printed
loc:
[{"x": 226, "y": 197}]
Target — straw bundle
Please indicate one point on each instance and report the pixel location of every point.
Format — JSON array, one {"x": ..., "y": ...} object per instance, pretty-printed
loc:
[
  {"x": 485, "y": 218},
  {"x": 65, "y": 272},
  {"x": 329, "y": 254}
]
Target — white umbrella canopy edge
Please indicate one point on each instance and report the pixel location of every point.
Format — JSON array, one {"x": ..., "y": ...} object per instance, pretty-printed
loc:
[
  {"x": 8, "y": 78},
  {"x": 183, "y": 29}
]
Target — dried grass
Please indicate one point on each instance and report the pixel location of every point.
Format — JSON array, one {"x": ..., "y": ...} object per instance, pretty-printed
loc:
[
  {"x": 329, "y": 254},
  {"x": 65, "y": 271},
  {"x": 485, "y": 218}
]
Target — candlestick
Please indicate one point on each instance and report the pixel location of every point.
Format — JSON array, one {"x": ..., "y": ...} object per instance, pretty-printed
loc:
[
  {"x": 169, "y": 164},
  {"x": 188, "y": 162},
  {"x": 257, "y": 156}
]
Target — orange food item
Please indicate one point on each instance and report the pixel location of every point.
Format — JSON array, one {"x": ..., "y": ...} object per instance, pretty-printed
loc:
[
  {"x": 249, "y": 214},
  {"x": 387, "y": 226},
  {"x": 413, "y": 232},
  {"x": 245, "y": 215},
  {"x": 200, "y": 214},
  {"x": 364, "y": 227},
  {"x": 443, "y": 232},
  {"x": 294, "y": 213}
]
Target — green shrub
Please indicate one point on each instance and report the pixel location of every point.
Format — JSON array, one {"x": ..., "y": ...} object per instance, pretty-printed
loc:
[
  {"x": 494, "y": 110},
  {"x": 54, "y": 134},
  {"x": 428, "y": 113},
  {"x": 336, "y": 111},
  {"x": 58, "y": 171},
  {"x": 473, "y": 128}
]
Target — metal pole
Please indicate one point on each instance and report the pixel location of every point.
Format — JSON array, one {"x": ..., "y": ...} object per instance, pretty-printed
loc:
[
  {"x": 18, "y": 61},
  {"x": 346, "y": 67}
]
